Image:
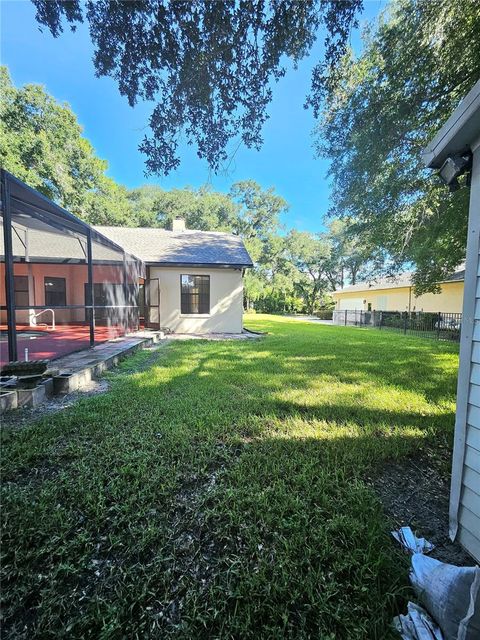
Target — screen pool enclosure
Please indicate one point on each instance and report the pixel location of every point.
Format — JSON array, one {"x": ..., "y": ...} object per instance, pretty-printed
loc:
[{"x": 65, "y": 286}]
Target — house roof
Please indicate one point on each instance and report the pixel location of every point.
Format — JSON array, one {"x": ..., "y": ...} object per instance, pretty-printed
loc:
[
  {"x": 44, "y": 219},
  {"x": 44, "y": 232},
  {"x": 55, "y": 247},
  {"x": 396, "y": 282},
  {"x": 162, "y": 247}
]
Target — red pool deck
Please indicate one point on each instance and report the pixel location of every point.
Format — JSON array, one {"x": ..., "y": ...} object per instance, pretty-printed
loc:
[{"x": 50, "y": 344}]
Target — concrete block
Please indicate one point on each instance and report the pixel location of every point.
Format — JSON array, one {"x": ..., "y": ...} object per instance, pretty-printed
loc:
[
  {"x": 48, "y": 384},
  {"x": 8, "y": 400},
  {"x": 98, "y": 369},
  {"x": 63, "y": 383},
  {"x": 69, "y": 382},
  {"x": 31, "y": 397}
]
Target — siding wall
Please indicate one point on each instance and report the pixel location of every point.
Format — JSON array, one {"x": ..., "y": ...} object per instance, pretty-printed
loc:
[{"x": 465, "y": 490}]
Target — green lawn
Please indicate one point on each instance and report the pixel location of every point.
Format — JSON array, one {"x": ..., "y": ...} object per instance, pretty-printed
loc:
[{"x": 219, "y": 491}]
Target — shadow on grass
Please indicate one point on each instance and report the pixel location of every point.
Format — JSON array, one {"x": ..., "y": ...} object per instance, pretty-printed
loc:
[
  {"x": 387, "y": 389},
  {"x": 273, "y": 537}
]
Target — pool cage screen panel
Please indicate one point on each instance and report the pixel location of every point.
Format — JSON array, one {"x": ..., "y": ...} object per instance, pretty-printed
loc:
[{"x": 65, "y": 286}]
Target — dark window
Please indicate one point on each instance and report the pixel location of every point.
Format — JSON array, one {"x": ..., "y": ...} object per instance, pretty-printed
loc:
[
  {"x": 21, "y": 291},
  {"x": 55, "y": 292},
  {"x": 195, "y": 294}
]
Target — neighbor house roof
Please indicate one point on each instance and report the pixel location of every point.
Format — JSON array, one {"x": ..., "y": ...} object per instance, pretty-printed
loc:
[
  {"x": 162, "y": 247},
  {"x": 396, "y": 282}
]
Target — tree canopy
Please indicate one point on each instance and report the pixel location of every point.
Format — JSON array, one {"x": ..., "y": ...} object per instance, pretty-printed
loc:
[
  {"x": 418, "y": 63},
  {"x": 201, "y": 208},
  {"x": 207, "y": 65},
  {"x": 42, "y": 144}
]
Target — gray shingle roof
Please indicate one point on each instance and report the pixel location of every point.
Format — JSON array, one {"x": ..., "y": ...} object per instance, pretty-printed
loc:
[
  {"x": 395, "y": 282},
  {"x": 158, "y": 246}
]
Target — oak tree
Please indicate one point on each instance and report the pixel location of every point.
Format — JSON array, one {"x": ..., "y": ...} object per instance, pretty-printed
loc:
[
  {"x": 207, "y": 65},
  {"x": 417, "y": 64}
]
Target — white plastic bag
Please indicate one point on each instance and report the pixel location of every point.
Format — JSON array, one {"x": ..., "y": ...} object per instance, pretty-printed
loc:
[
  {"x": 417, "y": 625},
  {"x": 450, "y": 594}
]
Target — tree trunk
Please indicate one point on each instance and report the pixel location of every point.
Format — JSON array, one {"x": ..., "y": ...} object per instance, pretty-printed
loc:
[{"x": 354, "y": 275}]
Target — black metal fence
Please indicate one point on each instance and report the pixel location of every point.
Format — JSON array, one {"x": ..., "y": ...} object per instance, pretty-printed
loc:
[{"x": 438, "y": 325}]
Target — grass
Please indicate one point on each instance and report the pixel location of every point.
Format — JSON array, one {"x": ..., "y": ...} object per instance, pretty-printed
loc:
[{"x": 220, "y": 492}]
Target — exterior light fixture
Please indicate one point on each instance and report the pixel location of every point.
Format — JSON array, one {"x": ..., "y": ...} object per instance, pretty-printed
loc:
[{"x": 453, "y": 167}]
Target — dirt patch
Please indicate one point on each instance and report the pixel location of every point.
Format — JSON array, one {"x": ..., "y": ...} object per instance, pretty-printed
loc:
[
  {"x": 197, "y": 554},
  {"x": 415, "y": 492},
  {"x": 19, "y": 418}
]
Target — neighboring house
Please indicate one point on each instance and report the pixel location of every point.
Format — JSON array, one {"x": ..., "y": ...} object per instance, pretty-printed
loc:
[
  {"x": 397, "y": 294},
  {"x": 459, "y": 138},
  {"x": 194, "y": 279}
]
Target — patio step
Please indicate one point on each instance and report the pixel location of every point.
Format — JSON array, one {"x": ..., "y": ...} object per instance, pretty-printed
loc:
[{"x": 77, "y": 370}]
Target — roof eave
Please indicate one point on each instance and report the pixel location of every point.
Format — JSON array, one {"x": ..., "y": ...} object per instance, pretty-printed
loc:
[
  {"x": 211, "y": 265},
  {"x": 405, "y": 285},
  {"x": 457, "y": 133}
]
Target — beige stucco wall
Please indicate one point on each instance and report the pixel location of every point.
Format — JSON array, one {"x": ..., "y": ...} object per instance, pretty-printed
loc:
[
  {"x": 449, "y": 300},
  {"x": 226, "y": 301}
]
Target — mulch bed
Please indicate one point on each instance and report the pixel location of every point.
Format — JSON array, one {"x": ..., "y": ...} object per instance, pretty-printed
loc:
[{"x": 415, "y": 492}]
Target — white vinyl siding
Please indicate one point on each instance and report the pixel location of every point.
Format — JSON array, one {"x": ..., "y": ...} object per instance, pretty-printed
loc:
[
  {"x": 473, "y": 437},
  {"x": 469, "y": 541},
  {"x": 465, "y": 495},
  {"x": 460, "y": 132},
  {"x": 475, "y": 373}
]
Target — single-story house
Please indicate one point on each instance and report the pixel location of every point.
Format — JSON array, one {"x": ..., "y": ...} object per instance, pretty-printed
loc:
[
  {"x": 194, "y": 279},
  {"x": 397, "y": 294},
  {"x": 68, "y": 285},
  {"x": 456, "y": 149}
]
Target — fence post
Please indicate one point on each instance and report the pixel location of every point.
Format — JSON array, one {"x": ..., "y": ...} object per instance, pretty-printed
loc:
[
  {"x": 405, "y": 323},
  {"x": 438, "y": 326},
  {"x": 345, "y": 317}
]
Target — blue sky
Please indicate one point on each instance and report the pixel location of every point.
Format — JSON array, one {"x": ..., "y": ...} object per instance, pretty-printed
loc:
[{"x": 64, "y": 65}]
